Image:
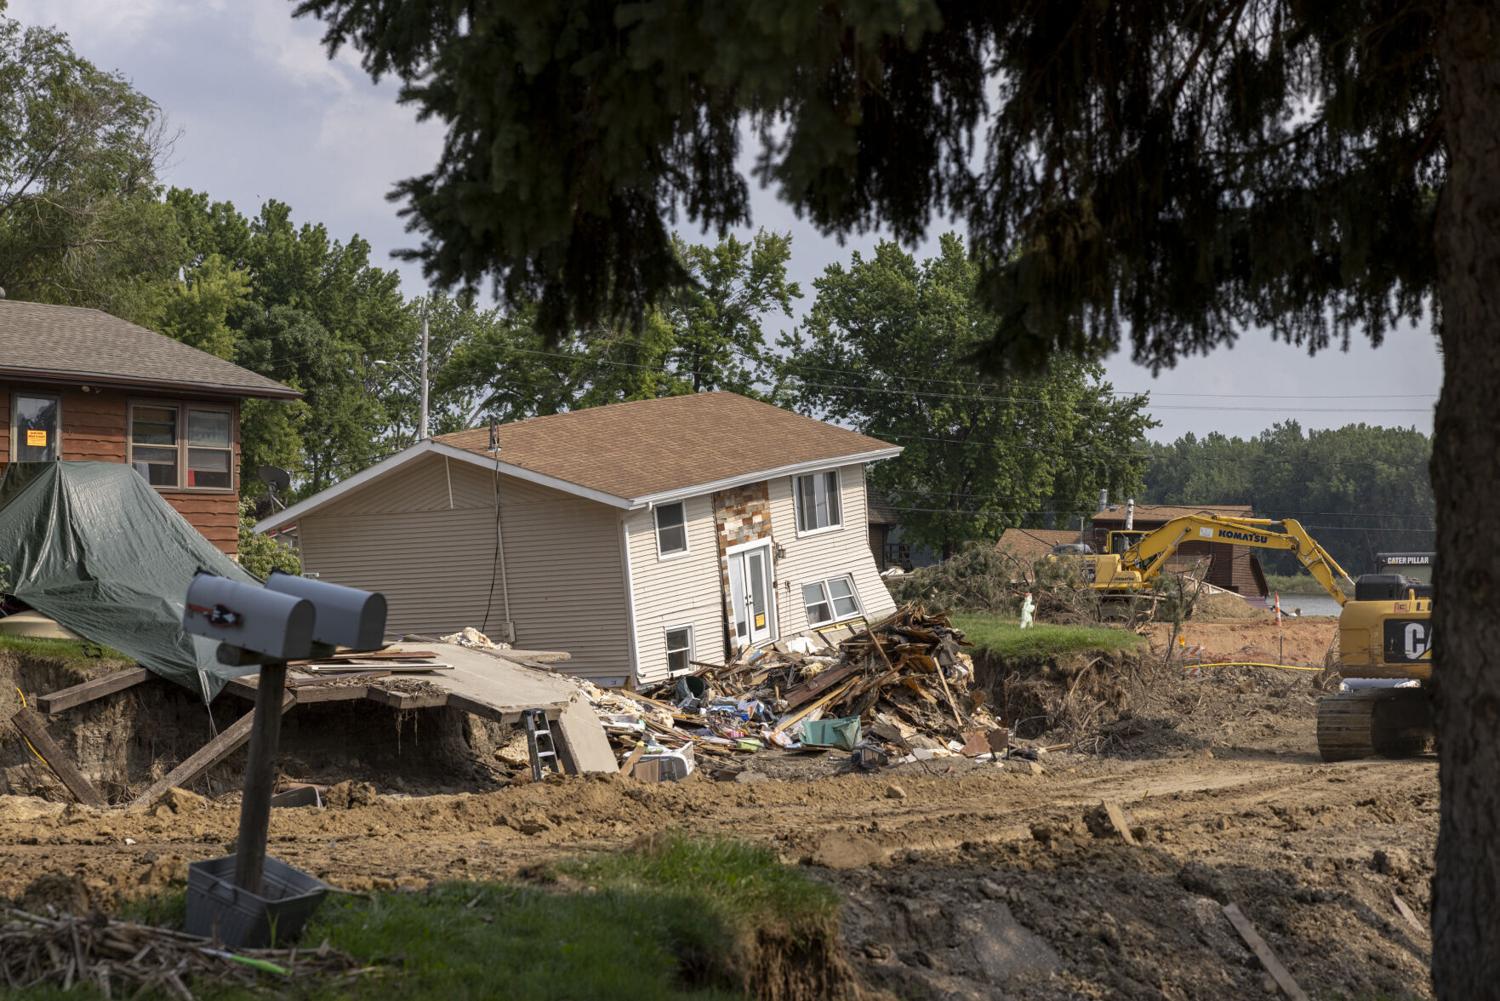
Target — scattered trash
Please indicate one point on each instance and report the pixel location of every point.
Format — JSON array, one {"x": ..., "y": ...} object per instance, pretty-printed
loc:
[{"x": 474, "y": 639}]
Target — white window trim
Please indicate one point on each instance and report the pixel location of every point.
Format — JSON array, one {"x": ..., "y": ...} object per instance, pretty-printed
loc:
[
  {"x": 859, "y": 606},
  {"x": 667, "y": 649},
  {"x": 687, "y": 536},
  {"x": 837, "y": 526}
]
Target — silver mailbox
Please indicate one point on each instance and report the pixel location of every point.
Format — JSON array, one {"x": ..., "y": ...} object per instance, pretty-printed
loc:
[
  {"x": 345, "y": 616},
  {"x": 275, "y": 625}
]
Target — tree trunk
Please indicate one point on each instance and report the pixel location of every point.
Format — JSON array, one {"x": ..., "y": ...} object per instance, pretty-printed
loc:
[{"x": 1466, "y": 482}]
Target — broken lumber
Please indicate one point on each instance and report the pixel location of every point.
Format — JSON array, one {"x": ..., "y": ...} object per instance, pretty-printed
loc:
[
  {"x": 1278, "y": 972},
  {"x": 35, "y": 730},
  {"x": 94, "y": 688},
  {"x": 1407, "y": 913},
  {"x": 229, "y": 740},
  {"x": 1117, "y": 819}
]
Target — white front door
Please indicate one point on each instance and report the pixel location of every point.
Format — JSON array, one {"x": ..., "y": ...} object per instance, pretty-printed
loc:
[{"x": 750, "y": 595}]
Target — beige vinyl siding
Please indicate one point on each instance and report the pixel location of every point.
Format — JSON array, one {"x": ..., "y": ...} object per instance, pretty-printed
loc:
[
  {"x": 435, "y": 564},
  {"x": 682, "y": 589},
  {"x": 825, "y": 554}
]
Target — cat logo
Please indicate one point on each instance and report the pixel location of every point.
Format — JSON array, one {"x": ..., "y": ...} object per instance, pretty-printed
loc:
[{"x": 1408, "y": 640}]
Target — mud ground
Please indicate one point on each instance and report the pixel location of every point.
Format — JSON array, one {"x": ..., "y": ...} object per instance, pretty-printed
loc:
[{"x": 962, "y": 879}]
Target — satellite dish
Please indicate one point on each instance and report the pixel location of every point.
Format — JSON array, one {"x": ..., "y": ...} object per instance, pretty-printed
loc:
[
  {"x": 274, "y": 477},
  {"x": 276, "y": 480}
]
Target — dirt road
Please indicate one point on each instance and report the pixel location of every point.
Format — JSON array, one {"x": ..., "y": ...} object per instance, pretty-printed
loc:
[{"x": 929, "y": 857}]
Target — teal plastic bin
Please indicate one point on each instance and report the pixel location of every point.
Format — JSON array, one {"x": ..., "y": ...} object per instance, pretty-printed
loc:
[{"x": 838, "y": 734}]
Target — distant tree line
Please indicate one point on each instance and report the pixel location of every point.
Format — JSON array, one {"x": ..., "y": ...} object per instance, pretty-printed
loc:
[{"x": 1360, "y": 490}]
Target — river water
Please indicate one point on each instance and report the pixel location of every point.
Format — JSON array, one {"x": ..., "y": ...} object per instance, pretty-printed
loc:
[{"x": 1310, "y": 604}]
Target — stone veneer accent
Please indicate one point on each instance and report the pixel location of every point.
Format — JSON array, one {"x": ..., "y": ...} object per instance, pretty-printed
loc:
[{"x": 741, "y": 514}]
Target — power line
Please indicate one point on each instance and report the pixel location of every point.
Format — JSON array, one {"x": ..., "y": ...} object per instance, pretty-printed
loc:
[{"x": 985, "y": 398}]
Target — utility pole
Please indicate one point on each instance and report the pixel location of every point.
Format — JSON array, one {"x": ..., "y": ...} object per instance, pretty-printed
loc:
[{"x": 422, "y": 418}]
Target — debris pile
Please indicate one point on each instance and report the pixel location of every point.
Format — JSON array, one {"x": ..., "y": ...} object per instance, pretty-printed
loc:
[
  {"x": 899, "y": 690},
  {"x": 119, "y": 958}
]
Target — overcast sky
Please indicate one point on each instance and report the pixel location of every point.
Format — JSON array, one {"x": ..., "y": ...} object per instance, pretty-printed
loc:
[{"x": 264, "y": 114}]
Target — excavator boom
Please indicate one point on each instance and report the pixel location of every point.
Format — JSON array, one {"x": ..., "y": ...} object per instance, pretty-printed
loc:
[{"x": 1144, "y": 560}]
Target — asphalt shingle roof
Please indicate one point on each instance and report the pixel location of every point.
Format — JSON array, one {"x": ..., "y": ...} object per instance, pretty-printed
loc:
[
  {"x": 71, "y": 342},
  {"x": 648, "y": 447}
]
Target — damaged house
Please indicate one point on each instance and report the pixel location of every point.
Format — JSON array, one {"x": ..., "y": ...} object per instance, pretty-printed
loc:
[{"x": 641, "y": 537}]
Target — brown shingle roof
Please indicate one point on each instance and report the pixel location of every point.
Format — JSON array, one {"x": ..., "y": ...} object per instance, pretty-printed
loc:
[
  {"x": 72, "y": 343},
  {"x": 1034, "y": 543},
  {"x": 1166, "y": 512},
  {"x": 649, "y": 447}
]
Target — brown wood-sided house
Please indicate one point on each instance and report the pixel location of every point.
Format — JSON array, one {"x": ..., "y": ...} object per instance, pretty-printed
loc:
[{"x": 79, "y": 384}]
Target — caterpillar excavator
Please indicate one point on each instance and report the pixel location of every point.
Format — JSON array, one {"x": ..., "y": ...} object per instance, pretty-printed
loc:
[
  {"x": 1385, "y": 628},
  {"x": 1385, "y": 650}
]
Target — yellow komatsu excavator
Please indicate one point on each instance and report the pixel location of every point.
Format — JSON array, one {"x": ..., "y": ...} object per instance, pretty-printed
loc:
[
  {"x": 1385, "y": 628},
  {"x": 1136, "y": 559}
]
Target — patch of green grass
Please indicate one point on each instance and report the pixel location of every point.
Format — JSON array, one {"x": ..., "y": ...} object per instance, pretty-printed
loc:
[
  {"x": 1299, "y": 583},
  {"x": 1003, "y": 637},
  {"x": 672, "y": 921},
  {"x": 70, "y": 650}
]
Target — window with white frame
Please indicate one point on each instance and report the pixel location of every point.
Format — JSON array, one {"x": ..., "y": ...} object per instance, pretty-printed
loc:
[
  {"x": 186, "y": 446},
  {"x": 830, "y": 600},
  {"x": 818, "y": 501},
  {"x": 671, "y": 529},
  {"x": 679, "y": 649}
]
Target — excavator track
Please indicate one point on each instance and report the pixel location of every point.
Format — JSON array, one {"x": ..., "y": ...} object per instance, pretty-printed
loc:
[{"x": 1371, "y": 722}]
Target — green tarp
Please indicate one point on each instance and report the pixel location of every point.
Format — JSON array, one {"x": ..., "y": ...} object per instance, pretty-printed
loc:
[{"x": 95, "y": 547}]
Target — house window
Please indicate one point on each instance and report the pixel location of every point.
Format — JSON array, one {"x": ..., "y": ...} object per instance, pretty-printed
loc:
[
  {"x": 818, "y": 501},
  {"x": 830, "y": 600},
  {"x": 36, "y": 423},
  {"x": 210, "y": 449},
  {"x": 671, "y": 529},
  {"x": 183, "y": 446},
  {"x": 680, "y": 650}
]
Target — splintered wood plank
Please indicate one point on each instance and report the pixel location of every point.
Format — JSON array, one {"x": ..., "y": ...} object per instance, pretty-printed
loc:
[
  {"x": 1263, "y": 953},
  {"x": 35, "y": 730},
  {"x": 94, "y": 688},
  {"x": 229, "y": 740}
]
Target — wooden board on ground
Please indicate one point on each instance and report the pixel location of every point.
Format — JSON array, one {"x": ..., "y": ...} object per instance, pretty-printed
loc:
[
  {"x": 1263, "y": 953},
  {"x": 229, "y": 740},
  {"x": 34, "y": 729},
  {"x": 1119, "y": 821},
  {"x": 1406, "y": 912},
  {"x": 94, "y": 688}
]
